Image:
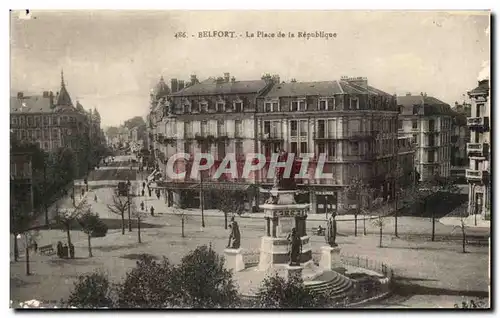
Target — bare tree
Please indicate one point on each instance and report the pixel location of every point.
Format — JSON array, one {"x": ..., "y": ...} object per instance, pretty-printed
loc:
[
  {"x": 120, "y": 206},
  {"x": 379, "y": 222},
  {"x": 66, "y": 217},
  {"x": 357, "y": 191},
  {"x": 230, "y": 202},
  {"x": 90, "y": 222},
  {"x": 181, "y": 213},
  {"x": 139, "y": 216}
]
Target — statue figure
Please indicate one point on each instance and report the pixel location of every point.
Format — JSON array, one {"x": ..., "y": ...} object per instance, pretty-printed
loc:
[
  {"x": 331, "y": 230},
  {"x": 234, "y": 236},
  {"x": 272, "y": 200},
  {"x": 296, "y": 247}
]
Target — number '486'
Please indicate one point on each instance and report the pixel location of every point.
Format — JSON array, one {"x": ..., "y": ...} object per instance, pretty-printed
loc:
[{"x": 180, "y": 35}]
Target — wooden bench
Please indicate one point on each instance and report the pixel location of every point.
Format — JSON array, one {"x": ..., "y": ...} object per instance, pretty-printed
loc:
[
  {"x": 317, "y": 231},
  {"x": 47, "y": 250}
]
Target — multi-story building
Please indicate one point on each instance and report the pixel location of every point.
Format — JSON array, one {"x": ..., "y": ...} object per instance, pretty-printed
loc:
[
  {"x": 460, "y": 135},
  {"x": 479, "y": 173},
  {"x": 53, "y": 122},
  {"x": 353, "y": 123},
  {"x": 428, "y": 121}
]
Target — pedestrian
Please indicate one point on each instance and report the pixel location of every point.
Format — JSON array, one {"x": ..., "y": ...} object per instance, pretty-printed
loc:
[
  {"x": 59, "y": 249},
  {"x": 142, "y": 192},
  {"x": 142, "y": 206},
  {"x": 95, "y": 197},
  {"x": 152, "y": 211},
  {"x": 35, "y": 246}
]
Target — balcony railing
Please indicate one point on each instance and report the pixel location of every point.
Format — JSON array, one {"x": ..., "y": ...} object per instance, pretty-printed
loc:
[
  {"x": 271, "y": 136},
  {"x": 477, "y": 149},
  {"x": 477, "y": 122},
  {"x": 476, "y": 175}
]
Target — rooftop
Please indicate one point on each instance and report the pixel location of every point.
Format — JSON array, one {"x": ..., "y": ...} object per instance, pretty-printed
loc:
[
  {"x": 482, "y": 88},
  {"x": 214, "y": 87},
  {"x": 431, "y": 105}
]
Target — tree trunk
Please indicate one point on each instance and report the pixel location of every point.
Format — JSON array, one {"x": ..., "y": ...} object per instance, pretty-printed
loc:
[
  {"x": 182, "y": 226},
  {"x": 396, "y": 218},
  {"x": 463, "y": 239},
  {"x": 356, "y": 224},
  {"x": 139, "y": 230},
  {"x": 123, "y": 222},
  {"x": 225, "y": 220},
  {"x": 16, "y": 248},
  {"x": 90, "y": 246},
  {"x": 433, "y": 227},
  {"x": 68, "y": 235},
  {"x": 364, "y": 224},
  {"x": 129, "y": 219},
  {"x": 380, "y": 232},
  {"x": 27, "y": 258}
]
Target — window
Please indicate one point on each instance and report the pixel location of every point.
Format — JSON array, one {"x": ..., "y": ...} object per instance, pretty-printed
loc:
[
  {"x": 400, "y": 124},
  {"x": 293, "y": 128},
  {"x": 303, "y": 147},
  {"x": 298, "y": 105},
  {"x": 430, "y": 156},
  {"x": 238, "y": 147},
  {"x": 45, "y": 120},
  {"x": 267, "y": 128},
  {"x": 275, "y": 129},
  {"x": 323, "y": 105},
  {"x": 204, "y": 107},
  {"x": 331, "y": 149},
  {"x": 431, "y": 125},
  {"x": 204, "y": 128},
  {"x": 321, "y": 129},
  {"x": 38, "y": 134},
  {"x": 238, "y": 107},
  {"x": 30, "y": 121},
  {"x": 267, "y": 107},
  {"x": 187, "y": 108},
  {"x": 220, "y": 106},
  {"x": 303, "y": 128},
  {"x": 415, "y": 109},
  {"x": 293, "y": 146},
  {"x": 354, "y": 103},
  {"x": 187, "y": 147},
  {"x": 21, "y": 121},
  {"x": 37, "y": 121},
  {"x": 321, "y": 148},
  {"x": 414, "y": 124},
  {"x": 195, "y": 107},
  {"x": 46, "y": 134},
  {"x": 30, "y": 134},
  {"x": 23, "y": 134},
  {"x": 415, "y": 138},
  {"x": 14, "y": 121},
  {"x": 46, "y": 145},
  {"x": 211, "y": 106},
  {"x": 354, "y": 148},
  {"x": 221, "y": 150},
  {"x": 220, "y": 128},
  {"x": 188, "y": 129},
  {"x": 238, "y": 128}
]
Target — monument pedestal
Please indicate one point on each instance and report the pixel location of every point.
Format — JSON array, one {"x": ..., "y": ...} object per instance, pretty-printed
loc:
[
  {"x": 293, "y": 272},
  {"x": 276, "y": 251},
  {"x": 329, "y": 256},
  {"x": 234, "y": 259}
]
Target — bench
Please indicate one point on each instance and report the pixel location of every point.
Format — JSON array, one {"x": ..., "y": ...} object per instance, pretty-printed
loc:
[
  {"x": 47, "y": 250},
  {"x": 477, "y": 241},
  {"x": 317, "y": 231}
]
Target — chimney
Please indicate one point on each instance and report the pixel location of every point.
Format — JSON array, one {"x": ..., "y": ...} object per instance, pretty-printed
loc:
[
  {"x": 219, "y": 80},
  {"x": 181, "y": 85},
  {"x": 20, "y": 95},
  {"x": 233, "y": 79},
  {"x": 276, "y": 78},
  {"x": 226, "y": 77},
  {"x": 293, "y": 80},
  {"x": 174, "y": 86},
  {"x": 193, "y": 79},
  {"x": 408, "y": 94}
]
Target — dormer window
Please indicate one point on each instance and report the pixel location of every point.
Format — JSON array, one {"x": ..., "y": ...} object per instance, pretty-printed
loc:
[
  {"x": 298, "y": 105},
  {"x": 238, "y": 105},
  {"x": 204, "y": 106},
  {"x": 272, "y": 106},
  {"x": 323, "y": 104},
  {"x": 220, "y": 104},
  {"x": 353, "y": 103},
  {"x": 187, "y": 106},
  {"x": 195, "y": 107}
]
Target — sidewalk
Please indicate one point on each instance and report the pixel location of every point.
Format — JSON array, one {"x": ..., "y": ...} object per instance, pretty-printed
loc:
[{"x": 469, "y": 221}]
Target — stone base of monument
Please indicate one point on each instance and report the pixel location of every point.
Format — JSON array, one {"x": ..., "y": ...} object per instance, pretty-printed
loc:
[
  {"x": 329, "y": 256},
  {"x": 234, "y": 259},
  {"x": 293, "y": 272},
  {"x": 276, "y": 251}
]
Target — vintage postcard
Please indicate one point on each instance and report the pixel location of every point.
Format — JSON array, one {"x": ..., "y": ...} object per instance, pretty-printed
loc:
[{"x": 250, "y": 159}]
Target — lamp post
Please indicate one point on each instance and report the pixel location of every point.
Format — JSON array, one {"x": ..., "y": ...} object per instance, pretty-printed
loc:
[{"x": 202, "y": 203}]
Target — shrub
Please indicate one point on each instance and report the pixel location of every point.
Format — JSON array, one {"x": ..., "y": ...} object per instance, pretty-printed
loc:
[
  {"x": 276, "y": 292},
  {"x": 100, "y": 229},
  {"x": 91, "y": 291}
]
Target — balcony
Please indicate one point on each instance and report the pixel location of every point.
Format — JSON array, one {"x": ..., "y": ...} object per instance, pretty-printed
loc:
[
  {"x": 320, "y": 135},
  {"x": 271, "y": 136},
  {"x": 476, "y": 175},
  {"x": 477, "y": 149},
  {"x": 478, "y": 123}
]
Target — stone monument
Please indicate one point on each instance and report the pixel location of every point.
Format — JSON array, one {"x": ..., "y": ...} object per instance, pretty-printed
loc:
[
  {"x": 283, "y": 214},
  {"x": 330, "y": 253}
]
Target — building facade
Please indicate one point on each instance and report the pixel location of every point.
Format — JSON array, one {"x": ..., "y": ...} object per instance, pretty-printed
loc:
[
  {"x": 478, "y": 173},
  {"x": 52, "y": 121},
  {"x": 352, "y": 123},
  {"x": 429, "y": 122}
]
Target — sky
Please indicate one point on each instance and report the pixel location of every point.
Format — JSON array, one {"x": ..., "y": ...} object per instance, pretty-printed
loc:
[{"x": 112, "y": 59}]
